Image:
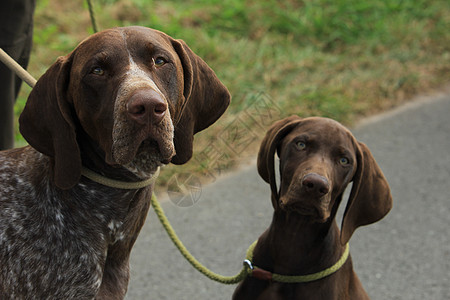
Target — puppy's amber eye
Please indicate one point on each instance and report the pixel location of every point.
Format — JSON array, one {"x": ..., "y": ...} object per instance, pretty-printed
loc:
[
  {"x": 301, "y": 145},
  {"x": 98, "y": 71},
  {"x": 159, "y": 61},
  {"x": 344, "y": 161}
]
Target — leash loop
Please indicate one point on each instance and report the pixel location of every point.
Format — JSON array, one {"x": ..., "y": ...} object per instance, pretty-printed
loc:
[
  {"x": 125, "y": 185},
  {"x": 266, "y": 275}
]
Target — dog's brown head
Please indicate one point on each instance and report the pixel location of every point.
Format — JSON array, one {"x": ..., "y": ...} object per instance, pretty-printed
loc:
[
  {"x": 318, "y": 159},
  {"x": 135, "y": 92}
]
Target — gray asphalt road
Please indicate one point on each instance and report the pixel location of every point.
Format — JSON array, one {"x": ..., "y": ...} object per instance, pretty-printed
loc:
[{"x": 405, "y": 256}]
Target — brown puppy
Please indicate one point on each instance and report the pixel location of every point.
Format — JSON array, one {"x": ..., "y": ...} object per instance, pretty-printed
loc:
[
  {"x": 124, "y": 102},
  {"x": 318, "y": 159}
]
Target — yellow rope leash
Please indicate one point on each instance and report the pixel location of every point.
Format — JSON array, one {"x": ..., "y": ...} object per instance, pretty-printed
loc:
[
  {"x": 14, "y": 66},
  {"x": 189, "y": 257},
  {"x": 248, "y": 268},
  {"x": 92, "y": 15}
]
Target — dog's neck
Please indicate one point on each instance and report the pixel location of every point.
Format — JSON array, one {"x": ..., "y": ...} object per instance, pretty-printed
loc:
[
  {"x": 298, "y": 246},
  {"x": 95, "y": 161}
]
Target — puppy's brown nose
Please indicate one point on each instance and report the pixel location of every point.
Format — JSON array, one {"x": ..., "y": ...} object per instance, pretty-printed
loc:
[
  {"x": 146, "y": 107},
  {"x": 315, "y": 184}
]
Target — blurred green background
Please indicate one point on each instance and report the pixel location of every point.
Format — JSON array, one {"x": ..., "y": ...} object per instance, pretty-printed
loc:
[{"x": 343, "y": 59}]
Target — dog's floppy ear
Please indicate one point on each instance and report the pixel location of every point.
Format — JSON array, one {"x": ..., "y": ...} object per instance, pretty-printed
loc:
[
  {"x": 370, "y": 198},
  {"x": 47, "y": 125},
  {"x": 266, "y": 154},
  {"x": 206, "y": 99}
]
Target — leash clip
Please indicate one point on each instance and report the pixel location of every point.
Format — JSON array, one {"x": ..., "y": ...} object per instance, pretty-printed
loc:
[{"x": 248, "y": 264}]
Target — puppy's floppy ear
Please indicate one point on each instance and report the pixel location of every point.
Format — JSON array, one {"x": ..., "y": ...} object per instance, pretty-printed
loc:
[
  {"x": 370, "y": 198},
  {"x": 206, "y": 99},
  {"x": 266, "y": 154},
  {"x": 46, "y": 123}
]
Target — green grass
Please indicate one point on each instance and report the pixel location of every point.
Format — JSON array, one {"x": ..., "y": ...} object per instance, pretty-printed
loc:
[{"x": 343, "y": 59}]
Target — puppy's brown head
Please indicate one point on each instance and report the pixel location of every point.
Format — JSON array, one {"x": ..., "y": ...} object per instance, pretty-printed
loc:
[
  {"x": 318, "y": 159},
  {"x": 136, "y": 93}
]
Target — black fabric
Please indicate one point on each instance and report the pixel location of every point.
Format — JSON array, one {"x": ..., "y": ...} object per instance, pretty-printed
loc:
[{"x": 16, "y": 36}]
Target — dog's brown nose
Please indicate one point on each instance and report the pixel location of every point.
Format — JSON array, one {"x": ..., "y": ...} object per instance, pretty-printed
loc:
[
  {"x": 146, "y": 107},
  {"x": 315, "y": 184}
]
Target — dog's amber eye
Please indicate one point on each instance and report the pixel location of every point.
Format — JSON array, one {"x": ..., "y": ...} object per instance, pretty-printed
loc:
[
  {"x": 344, "y": 161},
  {"x": 301, "y": 145},
  {"x": 98, "y": 71},
  {"x": 159, "y": 61}
]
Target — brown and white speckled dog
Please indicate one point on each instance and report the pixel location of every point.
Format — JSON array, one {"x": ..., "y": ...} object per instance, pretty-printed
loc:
[{"x": 124, "y": 102}]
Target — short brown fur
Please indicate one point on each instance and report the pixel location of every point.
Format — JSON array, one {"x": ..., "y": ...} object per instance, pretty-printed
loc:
[{"x": 318, "y": 159}]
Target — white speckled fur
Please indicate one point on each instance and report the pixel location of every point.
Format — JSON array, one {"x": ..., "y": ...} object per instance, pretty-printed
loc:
[
  {"x": 63, "y": 236},
  {"x": 65, "y": 253}
]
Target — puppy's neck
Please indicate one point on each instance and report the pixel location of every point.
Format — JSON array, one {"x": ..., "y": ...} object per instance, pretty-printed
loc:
[{"x": 299, "y": 246}]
